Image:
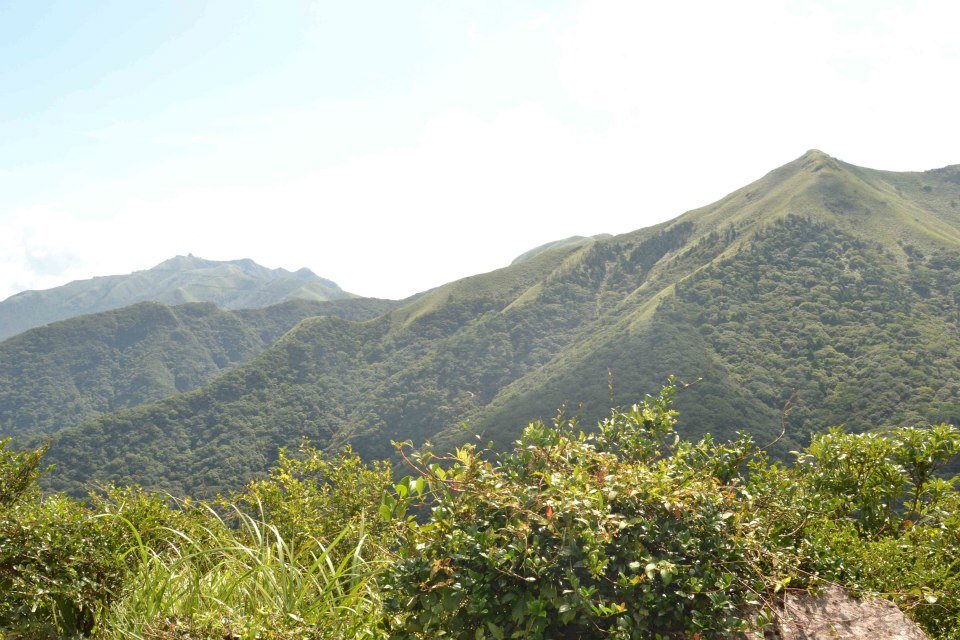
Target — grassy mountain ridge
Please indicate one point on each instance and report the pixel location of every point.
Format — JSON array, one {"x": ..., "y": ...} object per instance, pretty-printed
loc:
[
  {"x": 572, "y": 241},
  {"x": 61, "y": 374},
  {"x": 750, "y": 293},
  {"x": 809, "y": 195},
  {"x": 236, "y": 284}
]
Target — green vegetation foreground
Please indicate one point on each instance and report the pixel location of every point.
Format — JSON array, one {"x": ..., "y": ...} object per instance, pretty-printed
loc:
[{"x": 626, "y": 532}]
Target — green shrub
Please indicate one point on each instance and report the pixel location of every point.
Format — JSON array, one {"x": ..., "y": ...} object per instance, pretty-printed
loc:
[
  {"x": 634, "y": 533},
  {"x": 19, "y": 470},
  {"x": 317, "y": 495},
  {"x": 879, "y": 517},
  {"x": 629, "y": 533},
  {"x": 59, "y": 568}
]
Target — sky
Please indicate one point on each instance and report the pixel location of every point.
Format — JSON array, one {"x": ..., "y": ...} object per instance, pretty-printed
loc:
[{"x": 394, "y": 146}]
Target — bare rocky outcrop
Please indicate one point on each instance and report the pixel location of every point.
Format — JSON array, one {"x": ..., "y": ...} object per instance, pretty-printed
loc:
[{"x": 834, "y": 614}]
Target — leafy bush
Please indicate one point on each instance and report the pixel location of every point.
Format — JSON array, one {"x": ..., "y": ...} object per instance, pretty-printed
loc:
[
  {"x": 58, "y": 566},
  {"x": 633, "y": 533},
  {"x": 317, "y": 495},
  {"x": 883, "y": 520},
  {"x": 19, "y": 470},
  {"x": 629, "y": 533},
  {"x": 141, "y": 518}
]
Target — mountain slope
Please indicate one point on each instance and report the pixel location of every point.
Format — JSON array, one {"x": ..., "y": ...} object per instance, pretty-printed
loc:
[
  {"x": 64, "y": 373},
  {"x": 237, "y": 284},
  {"x": 818, "y": 251},
  {"x": 830, "y": 283}
]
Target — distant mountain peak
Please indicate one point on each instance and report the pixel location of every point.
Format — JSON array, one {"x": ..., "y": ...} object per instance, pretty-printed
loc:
[
  {"x": 306, "y": 274},
  {"x": 180, "y": 262},
  {"x": 231, "y": 284}
]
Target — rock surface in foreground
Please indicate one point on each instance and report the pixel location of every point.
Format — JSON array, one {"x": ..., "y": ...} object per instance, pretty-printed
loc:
[{"x": 836, "y": 615}]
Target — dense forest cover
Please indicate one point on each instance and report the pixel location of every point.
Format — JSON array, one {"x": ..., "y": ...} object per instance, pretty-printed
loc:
[
  {"x": 62, "y": 374},
  {"x": 626, "y": 532}
]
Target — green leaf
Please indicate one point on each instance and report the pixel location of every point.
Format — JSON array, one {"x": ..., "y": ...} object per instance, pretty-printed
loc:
[{"x": 495, "y": 631}]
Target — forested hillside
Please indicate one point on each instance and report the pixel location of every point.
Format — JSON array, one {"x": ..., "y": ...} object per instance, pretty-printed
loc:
[
  {"x": 826, "y": 283},
  {"x": 59, "y": 375},
  {"x": 235, "y": 284}
]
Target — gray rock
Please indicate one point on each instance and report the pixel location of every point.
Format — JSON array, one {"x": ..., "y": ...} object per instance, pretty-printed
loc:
[{"x": 836, "y": 615}]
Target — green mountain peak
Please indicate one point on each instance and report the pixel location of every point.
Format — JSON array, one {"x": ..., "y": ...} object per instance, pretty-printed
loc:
[{"x": 815, "y": 154}]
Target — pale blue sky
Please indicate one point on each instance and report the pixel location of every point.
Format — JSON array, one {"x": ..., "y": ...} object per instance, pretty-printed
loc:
[{"x": 393, "y": 146}]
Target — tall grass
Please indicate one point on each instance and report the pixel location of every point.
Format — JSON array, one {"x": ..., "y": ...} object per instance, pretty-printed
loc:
[{"x": 246, "y": 581}]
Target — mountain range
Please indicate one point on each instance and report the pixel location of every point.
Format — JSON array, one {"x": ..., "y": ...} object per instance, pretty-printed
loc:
[
  {"x": 821, "y": 294},
  {"x": 236, "y": 284}
]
